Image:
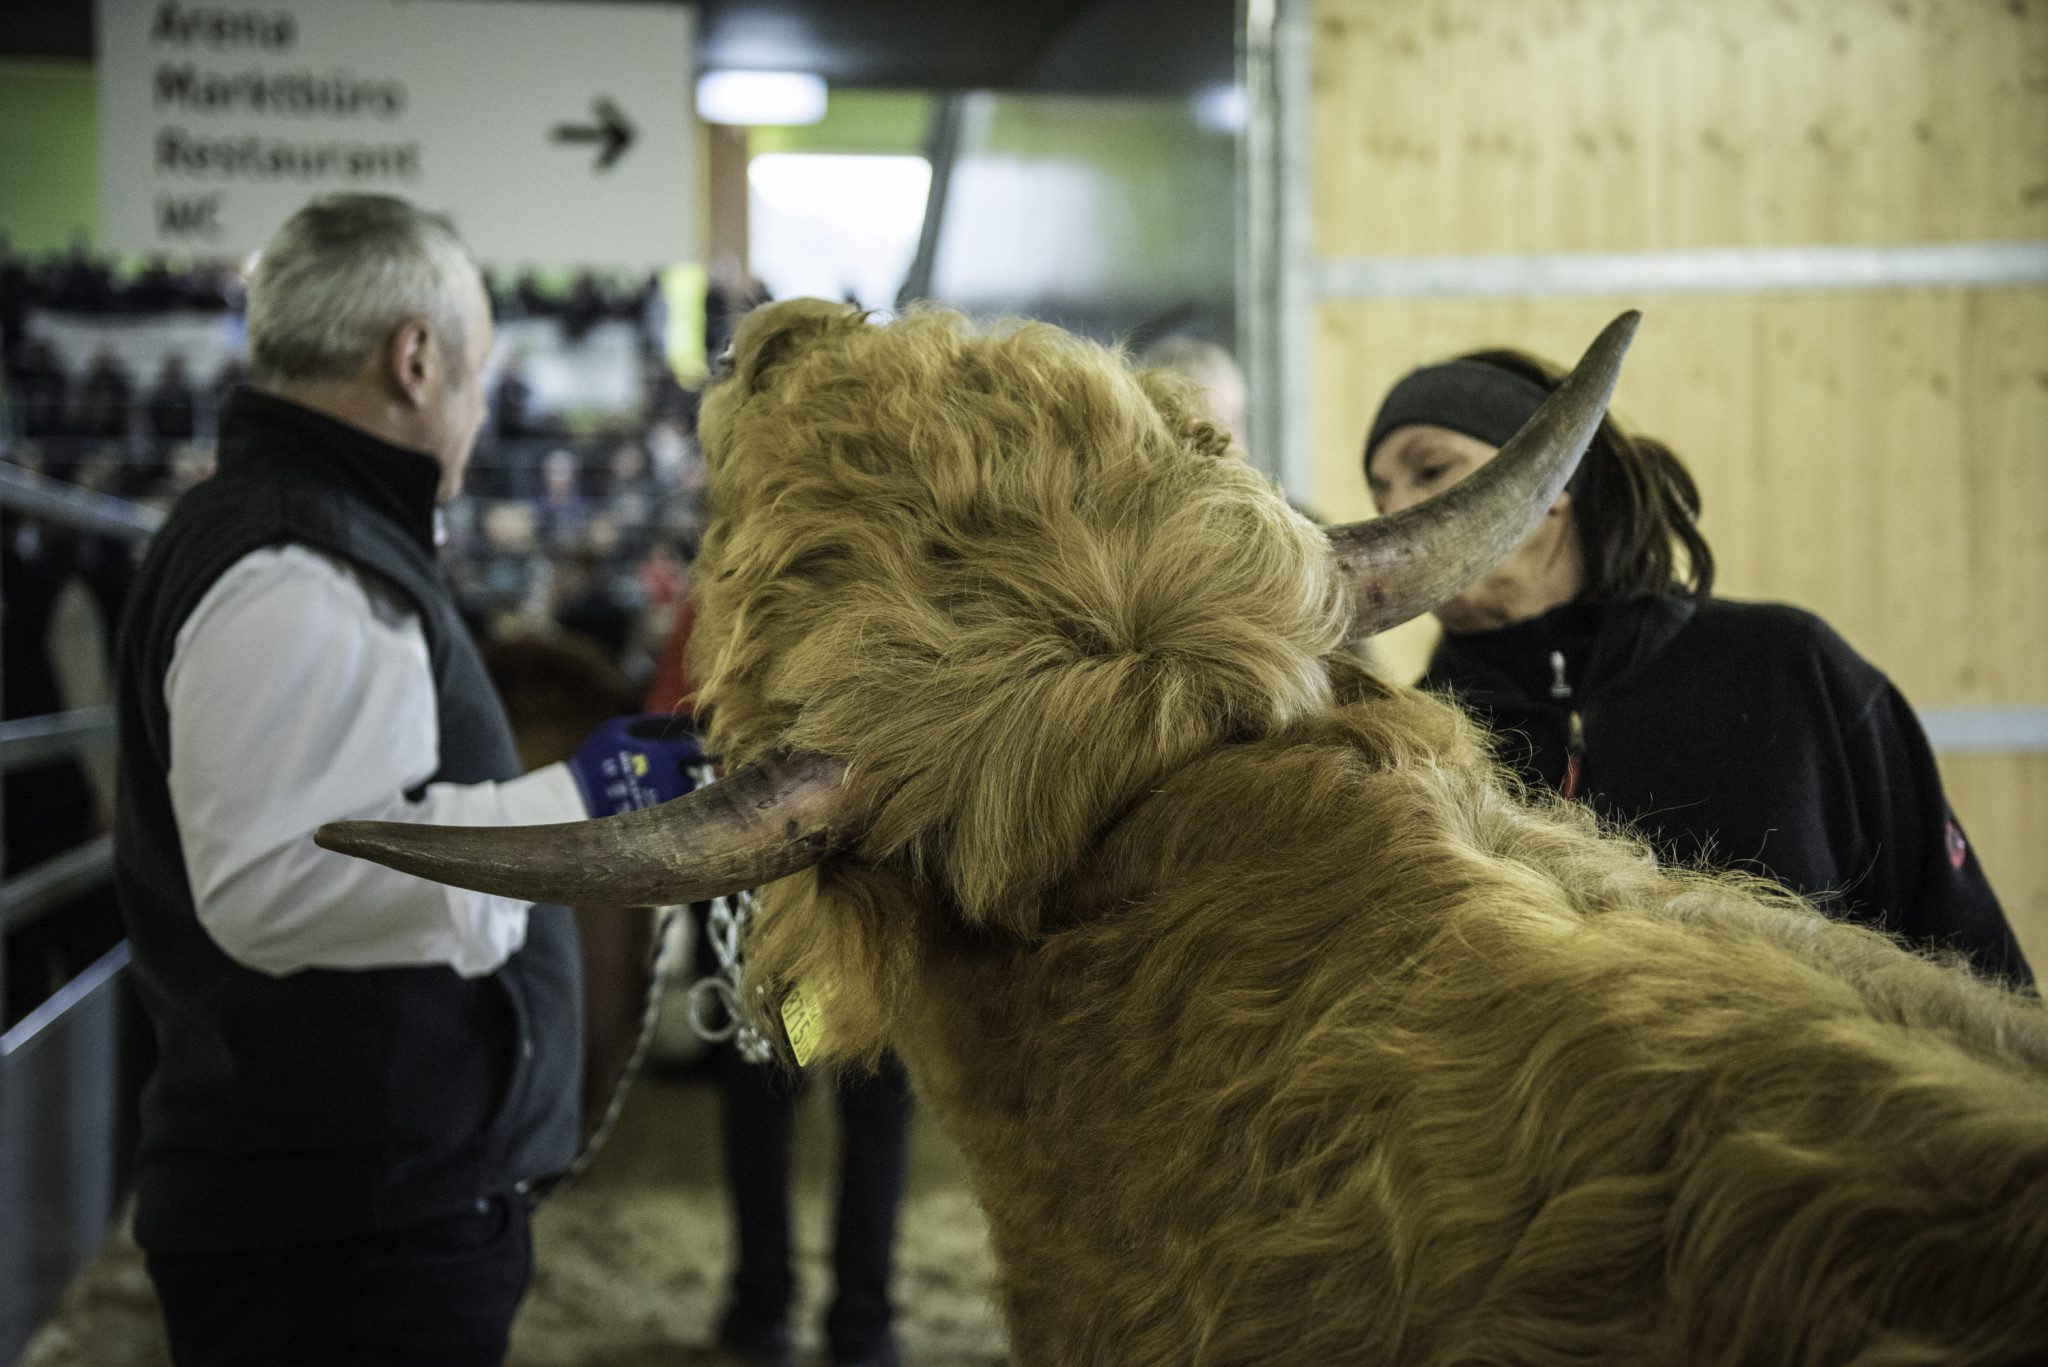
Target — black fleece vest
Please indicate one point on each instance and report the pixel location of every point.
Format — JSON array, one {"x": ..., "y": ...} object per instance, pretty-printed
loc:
[{"x": 324, "y": 1103}]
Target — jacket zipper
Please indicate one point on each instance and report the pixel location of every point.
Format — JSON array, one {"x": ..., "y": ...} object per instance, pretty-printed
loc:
[{"x": 1575, "y": 729}]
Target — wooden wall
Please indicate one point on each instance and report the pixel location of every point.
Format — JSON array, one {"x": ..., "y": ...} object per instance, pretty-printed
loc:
[
  {"x": 1448, "y": 126},
  {"x": 1877, "y": 455}
]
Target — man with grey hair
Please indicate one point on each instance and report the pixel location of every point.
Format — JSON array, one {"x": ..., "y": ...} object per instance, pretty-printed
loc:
[
  {"x": 361, "y": 1075},
  {"x": 1217, "y": 378}
]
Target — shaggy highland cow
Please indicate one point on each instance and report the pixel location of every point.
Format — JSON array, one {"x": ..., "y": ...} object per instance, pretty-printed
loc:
[{"x": 1276, "y": 1026}]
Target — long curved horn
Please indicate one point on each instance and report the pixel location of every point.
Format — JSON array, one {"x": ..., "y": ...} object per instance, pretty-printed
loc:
[
  {"x": 1401, "y": 566},
  {"x": 763, "y": 821}
]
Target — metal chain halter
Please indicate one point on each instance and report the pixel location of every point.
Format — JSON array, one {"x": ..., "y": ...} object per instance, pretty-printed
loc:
[
  {"x": 718, "y": 1010},
  {"x": 718, "y": 1007}
]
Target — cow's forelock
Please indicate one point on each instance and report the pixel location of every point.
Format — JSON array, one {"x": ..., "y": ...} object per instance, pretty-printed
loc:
[{"x": 1007, "y": 581}]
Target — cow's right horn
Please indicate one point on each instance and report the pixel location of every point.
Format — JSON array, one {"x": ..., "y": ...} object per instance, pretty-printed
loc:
[
  {"x": 763, "y": 821},
  {"x": 1397, "y": 567}
]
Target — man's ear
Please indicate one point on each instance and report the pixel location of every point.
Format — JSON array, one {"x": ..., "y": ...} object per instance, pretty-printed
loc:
[
  {"x": 1562, "y": 506},
  {"x": 410, "y": 359}
]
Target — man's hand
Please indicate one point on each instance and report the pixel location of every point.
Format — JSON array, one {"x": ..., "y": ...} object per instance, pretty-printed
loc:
[{"x": 634, "y": 762}]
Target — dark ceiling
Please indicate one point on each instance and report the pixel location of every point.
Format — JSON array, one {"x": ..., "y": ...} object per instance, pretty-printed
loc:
[
  {"x": 928, "y": 44},
  {"x": 1128, "y": 46}
]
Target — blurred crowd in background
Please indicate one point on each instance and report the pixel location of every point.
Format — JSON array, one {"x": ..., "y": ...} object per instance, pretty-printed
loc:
[{"x": 578, "y": 515}]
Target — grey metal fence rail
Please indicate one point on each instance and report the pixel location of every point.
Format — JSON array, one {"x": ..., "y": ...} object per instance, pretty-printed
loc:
[
  {"x": 60, "y": 1067},
  {"x": 86, "y": 510},
  {"x": 34, "y": 740},
  {"x": 37, "y": 740}
]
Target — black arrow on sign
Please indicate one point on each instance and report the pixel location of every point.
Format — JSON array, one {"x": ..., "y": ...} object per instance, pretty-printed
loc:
[{"x": 611, "y": 129}]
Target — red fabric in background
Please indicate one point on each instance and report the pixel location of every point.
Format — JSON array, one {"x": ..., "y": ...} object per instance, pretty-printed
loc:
[{"x": 673, "y": 690}]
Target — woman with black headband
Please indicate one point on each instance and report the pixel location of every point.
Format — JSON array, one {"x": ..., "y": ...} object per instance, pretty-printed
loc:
[{"x": 1743, "y": 735}]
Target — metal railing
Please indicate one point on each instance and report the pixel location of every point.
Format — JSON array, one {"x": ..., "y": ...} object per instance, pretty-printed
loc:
[
  {"x": 53, "y": 500},
  {"x": 63, "y": 1114},
  {"x": 35, "y": 740},
  {"x": 62, "y": 1093},
  {"x": 38, "y": 740},
  {"x": 26, "y": 896}
]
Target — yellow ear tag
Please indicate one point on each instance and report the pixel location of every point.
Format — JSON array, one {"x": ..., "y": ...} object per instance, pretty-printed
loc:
[{"x": 803, "y": 1020}]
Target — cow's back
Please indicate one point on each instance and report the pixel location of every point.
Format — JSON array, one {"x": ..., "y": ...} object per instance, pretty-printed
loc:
[{"x": 1342, "y": 1055}]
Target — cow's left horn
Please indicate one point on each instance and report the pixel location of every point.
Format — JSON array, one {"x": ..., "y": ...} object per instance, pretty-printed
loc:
[
  {"x": 1401, "y": 566},
  {"x": 763, "y": 821}
]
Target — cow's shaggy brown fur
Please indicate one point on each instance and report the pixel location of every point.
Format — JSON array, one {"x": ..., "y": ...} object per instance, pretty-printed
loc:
[{"x": 1276, "y": 1027}]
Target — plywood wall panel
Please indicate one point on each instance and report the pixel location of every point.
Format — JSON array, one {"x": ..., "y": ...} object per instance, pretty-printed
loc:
[
  {"x": 1516, "y": 126},
  {"x": 2002, "y": 801},
  {"x": 1874, "y": 456}
]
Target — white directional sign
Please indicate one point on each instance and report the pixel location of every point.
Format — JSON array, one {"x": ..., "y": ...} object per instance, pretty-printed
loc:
[{"x": 554, "y": 134}]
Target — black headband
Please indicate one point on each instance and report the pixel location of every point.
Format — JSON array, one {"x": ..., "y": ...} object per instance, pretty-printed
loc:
[{"x": 1480, "y": 400}]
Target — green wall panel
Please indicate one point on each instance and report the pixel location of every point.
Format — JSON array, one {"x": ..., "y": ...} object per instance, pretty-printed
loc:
[{"x": 49, "y": 154}]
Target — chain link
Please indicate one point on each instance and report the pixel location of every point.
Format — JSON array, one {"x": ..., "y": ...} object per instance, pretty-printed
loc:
[
  {"x": 718, "y": 1005},
  {"x": 718, "y": 1009}
]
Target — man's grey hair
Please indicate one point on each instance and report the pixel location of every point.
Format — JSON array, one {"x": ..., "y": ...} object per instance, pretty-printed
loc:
[
  {"x": 342, "y": 273},
  {"x": 1203, "y": 362}
]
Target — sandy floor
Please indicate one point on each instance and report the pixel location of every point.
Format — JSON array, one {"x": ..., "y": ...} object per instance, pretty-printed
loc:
[{"x": 630, "y": 1263}]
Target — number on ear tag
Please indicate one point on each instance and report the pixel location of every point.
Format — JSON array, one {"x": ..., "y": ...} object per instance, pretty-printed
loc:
[{"x": 803, "y": 1022}]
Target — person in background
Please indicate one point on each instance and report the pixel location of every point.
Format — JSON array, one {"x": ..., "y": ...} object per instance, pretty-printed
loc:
[
  {"x": 80, "y": 282},
  {"x": 156, "y": 290},
  {"x": 42, "y": 391},
  {"x": 363, "y": 1077},
  {"x": 1743, "y": 735},
  {"x": 512, "y": 401},
  {"x": 629, "y": 495},
  {"x": 582, "y": 309},
  {"x": 584, "y": 602},
  {"x": 171, "y": 417},
  {"x": 105, "y": 396},
  {"x": 14, "y": 301},
  {"x": 562, "y": 511},
  {"x": 1214, "y": 372},
  {"x": 758, "y": 1113},
  {"x": 171, "y": 405}
]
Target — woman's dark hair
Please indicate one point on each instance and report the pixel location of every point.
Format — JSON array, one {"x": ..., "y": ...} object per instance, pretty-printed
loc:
[{"x": 1635, "y": 505}]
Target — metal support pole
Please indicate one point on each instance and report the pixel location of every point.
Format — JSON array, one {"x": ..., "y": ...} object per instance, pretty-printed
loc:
[
  {"x": 942, "y": 148},
  {"x": 1275, "y": 243}
]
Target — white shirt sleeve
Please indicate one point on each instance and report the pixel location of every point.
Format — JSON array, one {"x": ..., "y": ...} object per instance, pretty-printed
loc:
[{"x": 300, "y": 693}]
